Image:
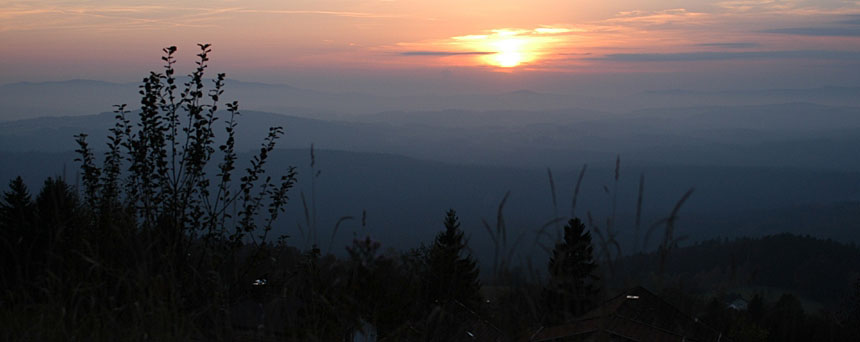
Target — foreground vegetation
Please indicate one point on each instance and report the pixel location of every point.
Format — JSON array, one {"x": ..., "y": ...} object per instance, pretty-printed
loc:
[{"x": 151, "y": 245}]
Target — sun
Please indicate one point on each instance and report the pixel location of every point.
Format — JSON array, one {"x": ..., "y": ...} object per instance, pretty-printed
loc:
[
  {"x": 509, "y": 53},
  {"x": 505, "y": 48}
]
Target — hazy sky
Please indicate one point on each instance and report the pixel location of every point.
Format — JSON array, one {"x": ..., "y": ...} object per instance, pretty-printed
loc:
[{"x": 443, "y": 45}]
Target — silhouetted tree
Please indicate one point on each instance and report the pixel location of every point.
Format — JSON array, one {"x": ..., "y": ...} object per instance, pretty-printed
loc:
[
  {"x": 452, "y": 273},
  {"x": 571, "y": 289},
  {"x": 16, "y": 218},
  {"x": 59, "y": 232},
  {"x": 167, "y": 189},
  {"x": 58, "y": 211},
  {"x": 17, "y": 206},
  {"x": 451, "y": 288}
]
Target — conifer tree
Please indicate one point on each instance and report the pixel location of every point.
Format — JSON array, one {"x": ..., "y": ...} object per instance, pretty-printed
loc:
[
  {"x": 572, "y": 288},
  {"x": 451, "y": 287},
  {"x": 16, "y": 217},
  {"x": 59, "y": 223},
  {"x": 452, "y": 273},
  {"x": 16, "y": 208},
  {"x": 57, "y": 205}
]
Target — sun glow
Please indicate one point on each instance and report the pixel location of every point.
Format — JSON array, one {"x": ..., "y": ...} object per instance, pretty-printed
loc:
[
  {"x": 508, "y": 48},
  {"x": 509, "y": 53}
]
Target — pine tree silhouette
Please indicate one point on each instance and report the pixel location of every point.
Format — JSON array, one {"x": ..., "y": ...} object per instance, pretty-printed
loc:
[
  {"x": 59, "y": 223},
  {"x": 452, "y": 273},
  {"x": 451, "y": 287},
  {"x": 572, "y": 286},
  {"x": 16, "y": 218},
  {"x": 16, "y": 209},
  {"x": 57, "y": 205}
]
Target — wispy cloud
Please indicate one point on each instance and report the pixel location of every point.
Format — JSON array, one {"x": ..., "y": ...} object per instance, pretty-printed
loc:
[
  {"x": 326, "y": 13},
  {"x": 852, "y": 20},
  {"x": 846, "y": 26},
  {"x": 731, "y": 45},
  {"x": 717, "y": 56},
  {"x": 818, "y": 31},
  {"x": 664, "y": 17},
  {"x": 445, "y": 53},
  {"x": 557, "y": 30},
  {"x": 20, "y": 17},
  {"x": 757, "y": 5}
]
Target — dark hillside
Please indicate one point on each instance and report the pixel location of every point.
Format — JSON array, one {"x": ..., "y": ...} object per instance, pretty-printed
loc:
[{"x": 817, "y": 269}]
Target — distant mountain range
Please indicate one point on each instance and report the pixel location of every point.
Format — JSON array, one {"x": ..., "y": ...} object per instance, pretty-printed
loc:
[
  {"x": 80, "y": 97},
  {"x": 797, "y": 135},
  {"x": 844, "y": 95},
  {"x": 755, "y": 169}
]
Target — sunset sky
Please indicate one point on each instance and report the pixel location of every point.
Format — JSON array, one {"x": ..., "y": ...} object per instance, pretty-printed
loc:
[{"x": 540, "y": 44}]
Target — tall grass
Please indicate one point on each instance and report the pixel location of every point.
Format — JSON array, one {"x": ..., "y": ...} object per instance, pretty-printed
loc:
[{"x": 310, "y": 230}]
